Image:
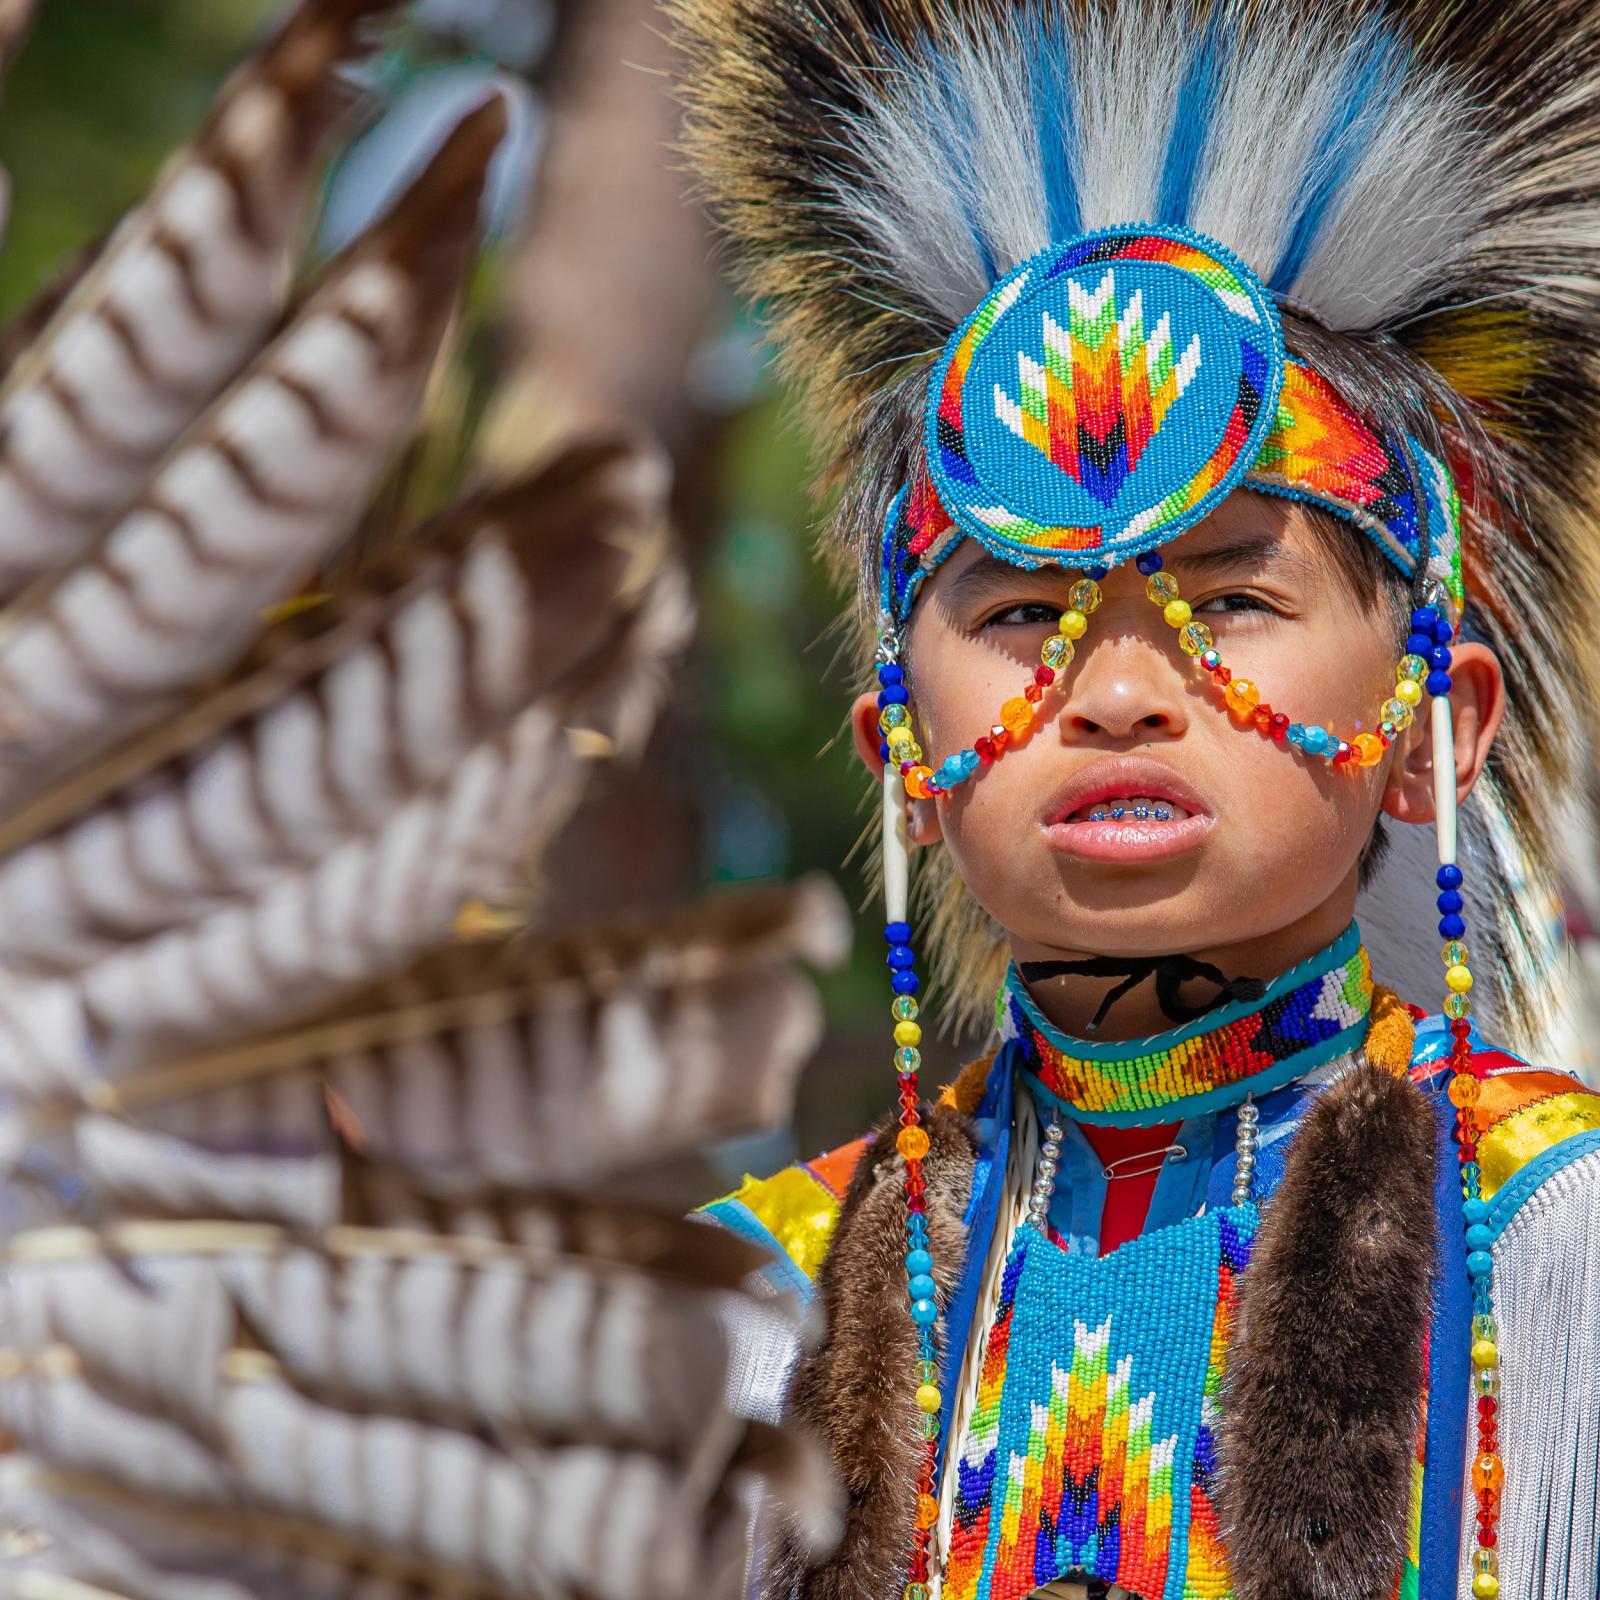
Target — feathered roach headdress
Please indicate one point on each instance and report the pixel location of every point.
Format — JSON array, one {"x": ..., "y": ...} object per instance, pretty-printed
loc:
[{"x": 1415, "y": 185}]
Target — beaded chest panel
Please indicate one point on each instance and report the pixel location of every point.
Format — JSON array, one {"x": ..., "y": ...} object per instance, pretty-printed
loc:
[{"x": 1091, "y": 1450}]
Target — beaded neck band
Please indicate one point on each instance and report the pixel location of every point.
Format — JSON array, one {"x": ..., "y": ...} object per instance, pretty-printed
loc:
[{"x": 1313, "y": 1014}]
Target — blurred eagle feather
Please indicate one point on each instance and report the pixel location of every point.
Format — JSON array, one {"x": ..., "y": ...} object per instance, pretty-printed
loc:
[{"x": 328, "y": 1285}]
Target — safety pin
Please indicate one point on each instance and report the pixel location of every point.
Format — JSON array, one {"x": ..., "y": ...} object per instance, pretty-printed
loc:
[{"x": 1110, "y": 1172}]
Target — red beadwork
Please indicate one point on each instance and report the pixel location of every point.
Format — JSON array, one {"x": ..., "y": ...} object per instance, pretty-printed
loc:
[
  {"x": 1033, "y": 694},
  {"x": 1222, "y": 674},
  {"x": 1044, "y": 675},
  {"x": 986, "y": 750}
]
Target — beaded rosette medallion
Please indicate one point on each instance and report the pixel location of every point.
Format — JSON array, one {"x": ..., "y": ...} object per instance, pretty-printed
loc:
[{"x": 1091, "y": 1452}]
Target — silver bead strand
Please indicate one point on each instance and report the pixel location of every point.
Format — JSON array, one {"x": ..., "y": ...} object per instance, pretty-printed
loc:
[
  {"x": 1245, "y": 1141},
  {"x": 1044, "y": 1183}
]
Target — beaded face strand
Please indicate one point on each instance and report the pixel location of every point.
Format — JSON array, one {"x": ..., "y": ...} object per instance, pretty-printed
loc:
[{"x": 1423, "y": 667}]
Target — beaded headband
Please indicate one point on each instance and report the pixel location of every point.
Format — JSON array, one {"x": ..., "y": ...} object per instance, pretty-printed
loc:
[
  {"x": 1111, "y": 391},
  {"x": 1104, "y": 397}
]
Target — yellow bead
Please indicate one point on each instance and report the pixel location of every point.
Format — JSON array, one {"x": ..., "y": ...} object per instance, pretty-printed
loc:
[
  {"x": 1485, "y": 1586},
  {"x": 905, "y": 1008},
  {"x": 1454, "y": 953},
  {"x": 1487, "y": 1382},
  {"x": 914, "y": 1591},
  {"x": 1016, "y": 715},
  {"x": 1161, "y": 587},
  {"x": 1414, "y": 668},
  {"x": 1397, "y": 712},
  {"x": 1242, "y": 696},
  {"x": 892, "y": 717},
  {"x": 909, "y": 752},
  {"x": 1195, "y": 638},
  {"x": 1457, "y": 1006},
  {"x": 1485, "y": 1561},
  {"x": 912, "y": 1144},
  {"x": 1408, "y": 691},
  {"x": 1369, "y": 749},
  {"x": 1485, "y": 1354},
  {"x": 1459, "y": 979},
  {"x": 928, "y": 1398},
  {"x": 1073, "y": 624},
  {"x": 900, "y": 736},
  {"x": 1084, "y": 596},
  {"x": 907, "y": 1033},
  {"x": 1056, "y": 652},
  {"x": 1176, "y": 612}
]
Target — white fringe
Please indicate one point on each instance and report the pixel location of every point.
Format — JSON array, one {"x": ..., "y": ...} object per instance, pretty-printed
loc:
[{"x": 1547, "y": 1297}]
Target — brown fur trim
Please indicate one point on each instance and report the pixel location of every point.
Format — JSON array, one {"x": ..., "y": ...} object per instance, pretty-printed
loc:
[
  {"x": 966, "y": 1089},
  {"x": 1391, "y": 1034},
  {"x": 1320, "y": 1397},
  {"x": 854, "y": 1391}
]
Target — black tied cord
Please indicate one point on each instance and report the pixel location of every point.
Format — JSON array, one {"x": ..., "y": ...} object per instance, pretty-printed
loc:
[{"x": 1169, "y": 972}]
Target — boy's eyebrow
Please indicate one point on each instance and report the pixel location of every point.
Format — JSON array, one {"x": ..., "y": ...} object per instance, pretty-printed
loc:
[
  {"x": 990, "y": 572},
  {"x": 1257, "y": 550}
]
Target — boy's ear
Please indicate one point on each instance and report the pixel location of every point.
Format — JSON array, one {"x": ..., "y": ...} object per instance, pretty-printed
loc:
[
  {"x": 1477, "y": 703},
  {"x": 922, "y": 816}
]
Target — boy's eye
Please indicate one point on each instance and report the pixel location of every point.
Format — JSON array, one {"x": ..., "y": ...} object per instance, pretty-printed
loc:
[
  {"x": 1219, "y": 603},
  {"x": 1025, "y": 613}
]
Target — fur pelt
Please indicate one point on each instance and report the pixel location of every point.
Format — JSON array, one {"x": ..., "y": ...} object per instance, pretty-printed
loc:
[
  {"x": 854, "y": 1391},
  {"x": 1320, "y": 1396}
]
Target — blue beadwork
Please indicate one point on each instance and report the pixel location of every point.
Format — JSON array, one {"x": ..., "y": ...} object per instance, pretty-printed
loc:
[
  {"x": 1438, "y": 684},
  {"x": 1148, "y": 562},
  {"x": 1450, "y": 901},
  {"x": 1448, "y": 877}
]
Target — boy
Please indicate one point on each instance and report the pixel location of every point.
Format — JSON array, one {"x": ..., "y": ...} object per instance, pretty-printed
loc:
[{"x": 1213, "y": 391}]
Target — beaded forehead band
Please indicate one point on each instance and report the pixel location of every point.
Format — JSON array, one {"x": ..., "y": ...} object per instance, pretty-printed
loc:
[{"x": 1104, "y": 398}]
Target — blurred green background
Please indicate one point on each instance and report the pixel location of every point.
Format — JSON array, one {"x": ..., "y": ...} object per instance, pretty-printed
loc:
[{"x": 750, "y": 776}]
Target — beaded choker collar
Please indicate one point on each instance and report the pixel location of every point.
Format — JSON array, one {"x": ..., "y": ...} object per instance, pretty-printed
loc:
[{"x": 1313, "y": 1014}]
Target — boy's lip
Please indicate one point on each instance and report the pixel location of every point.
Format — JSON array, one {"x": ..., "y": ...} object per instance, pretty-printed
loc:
[{"x": 1124, "y": 779}]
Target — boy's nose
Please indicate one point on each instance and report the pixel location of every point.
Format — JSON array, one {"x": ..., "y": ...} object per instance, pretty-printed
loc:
[{"x": 1123, "y": 694}]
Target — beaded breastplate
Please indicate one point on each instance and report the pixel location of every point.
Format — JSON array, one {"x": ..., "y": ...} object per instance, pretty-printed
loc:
[{"x": 1091, "y": 1450}]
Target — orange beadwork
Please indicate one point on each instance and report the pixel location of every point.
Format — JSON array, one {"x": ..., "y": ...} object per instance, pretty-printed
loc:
[{"x": 912, "y": 1143}]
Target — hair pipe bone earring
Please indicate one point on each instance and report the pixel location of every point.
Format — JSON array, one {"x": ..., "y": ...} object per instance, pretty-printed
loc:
[{"x": 1444, "y": 779}]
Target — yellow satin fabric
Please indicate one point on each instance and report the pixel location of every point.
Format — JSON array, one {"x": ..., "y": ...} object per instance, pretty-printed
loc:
[{"x": 1518, "y": 1138}]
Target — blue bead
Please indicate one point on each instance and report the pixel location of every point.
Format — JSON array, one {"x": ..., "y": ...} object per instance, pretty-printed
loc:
[
  {"x": 1452, "y": 927},
  {"x": 894, "y": 695},
  {"x": 883, "y": 750},
  {"x": 1097, "y": 573},
  {"x": 1439, "y": 659},
  {"x": 1423, "y": 619},
  {"x": 1450, "y": 901},
  {"x": 891, "y": 673},
  {"x": 921, "y": 1287},
  {"x": 1448, "y": 877},
  {"x": 1419, "y": 644},
  {"x": 905, "y": 983},
  {"x": 1438, "y": 683},
  {"x": 970, "y": 762},
  {"x": 1475, "y": 1211},
  {"x": 1479, "y": 1265},
  {"x": 1149, "y": 561},
  {"x": 1443, "y": 633},
  {"x": 917, "y": 1227},
  {"x": 900, "y": 957},
  {"x": 1296, "y": 734},
  {"x": 1317, "y": 740},
  {"x": 1479, "y": 1237},
  {"x": 918, "y": 1261},
  {"x": 924, "y": 1313},
  {"x": 897, "y": 932}
]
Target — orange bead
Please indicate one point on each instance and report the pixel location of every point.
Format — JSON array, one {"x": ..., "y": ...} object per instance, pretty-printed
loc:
[
  {"x": 927, "y": 1511},
  {"x": 1488, "y": 1474},
  {"x": 1369, "y": 749},
  {"x": 1016, "y": 715},
  {"x": 1464, "y": 1090},
  {"x": 917, "y": 782},
  {"x": 912, "y": 1144},
  {"x": 1242, "y": 696}
]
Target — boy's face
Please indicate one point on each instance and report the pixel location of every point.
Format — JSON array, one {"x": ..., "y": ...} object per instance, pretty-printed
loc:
[{"x": 1262, "y": 846}]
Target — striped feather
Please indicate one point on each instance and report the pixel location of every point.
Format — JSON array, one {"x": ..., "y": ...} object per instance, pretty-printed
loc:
[
  {"x": 255, "y": 496},
  {"x": 340, "y": 714},
  {"x": 174, "y": 301}
]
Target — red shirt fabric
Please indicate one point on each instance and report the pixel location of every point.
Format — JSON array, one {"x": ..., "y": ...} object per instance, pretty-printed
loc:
[{"x": 1127, "y": 1198}]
